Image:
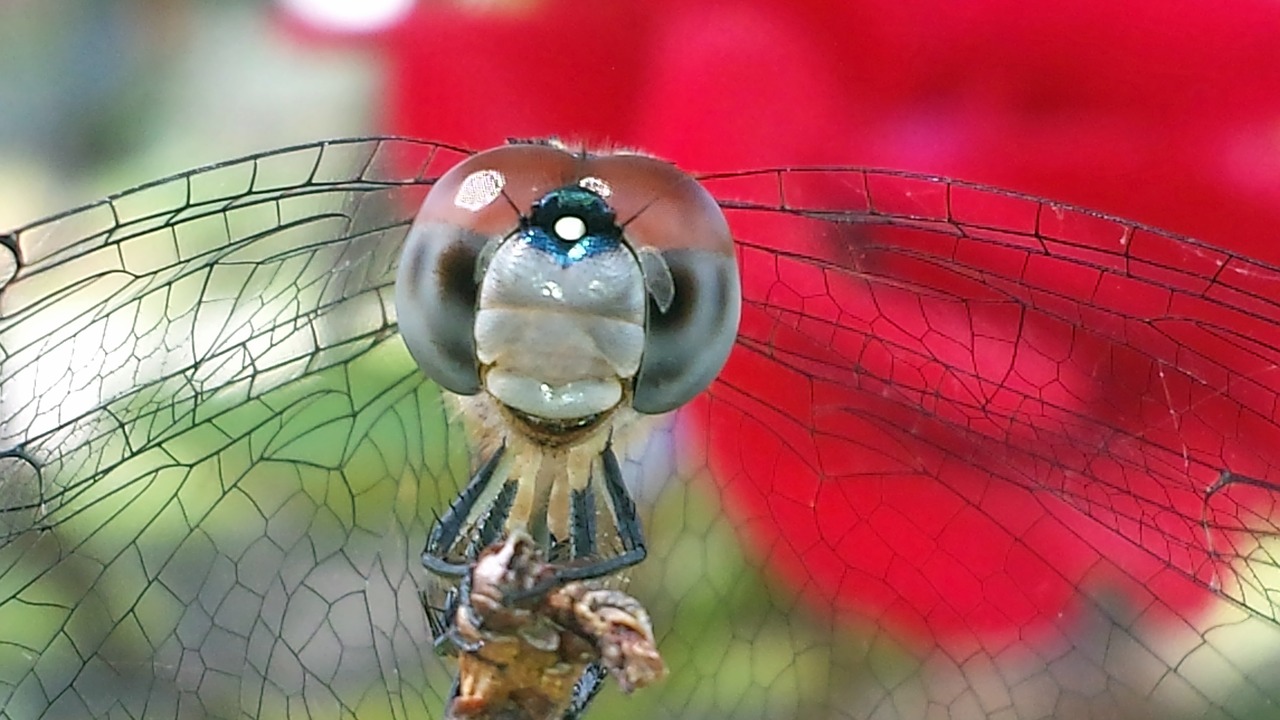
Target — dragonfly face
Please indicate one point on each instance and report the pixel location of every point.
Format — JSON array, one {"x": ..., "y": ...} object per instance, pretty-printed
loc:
[{"x": 973, "y": 454}]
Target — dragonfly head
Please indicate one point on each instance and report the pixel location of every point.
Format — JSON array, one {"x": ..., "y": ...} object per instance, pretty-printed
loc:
[{"x": 566, "y": 283}]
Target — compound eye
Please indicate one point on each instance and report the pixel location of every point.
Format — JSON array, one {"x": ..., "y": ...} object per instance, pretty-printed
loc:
[
  {"x": 478, "y": 201},
  {"x": 695, "y": 305}
]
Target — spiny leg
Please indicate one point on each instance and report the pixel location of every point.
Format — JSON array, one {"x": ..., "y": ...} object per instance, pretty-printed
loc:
[
  {"x": 582, "y": 538},
  {"x": 625, "y": 519},
  {"x": 444, "y": 627},
  {"x": 630, "y": 534},
  {"x": 448, "y": 528},
  {"x": 445, "y": 534},
  {"x": 582, "y": 544},
  {"x": 585, "y": 690}
]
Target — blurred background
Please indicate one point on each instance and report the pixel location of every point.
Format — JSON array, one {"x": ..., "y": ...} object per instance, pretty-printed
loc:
[
  {"x": 1166, "y": 112},
  {"x": 1163, "y": 111},
  {"x": 97, "y": 96}
]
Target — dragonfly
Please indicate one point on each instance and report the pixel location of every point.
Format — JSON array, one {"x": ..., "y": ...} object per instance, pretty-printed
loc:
[
  {"x": 972, "y": 454},
  {"x": 546, "y": 290}
]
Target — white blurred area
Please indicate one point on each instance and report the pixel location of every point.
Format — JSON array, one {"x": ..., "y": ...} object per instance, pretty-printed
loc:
[
  {"x": 348, "y": 15},
  {"x": 99, "y": 96}
]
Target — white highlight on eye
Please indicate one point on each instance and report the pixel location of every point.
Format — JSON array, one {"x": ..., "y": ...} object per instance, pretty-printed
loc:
[
  {"x": 552, "y": 289},
  {"x": 596, "y": 185},
  {"x": 570, "y": 228},
  {"x": 479, "y": 189}
]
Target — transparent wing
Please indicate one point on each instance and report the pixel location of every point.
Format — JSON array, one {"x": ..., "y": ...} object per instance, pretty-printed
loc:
[
  {"x": 960, "y": 464},
  {"x": 218, "y": 458},
  {"x": 1022, "y": 457}
]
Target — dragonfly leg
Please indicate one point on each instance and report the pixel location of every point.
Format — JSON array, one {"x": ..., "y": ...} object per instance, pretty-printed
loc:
[
  {"x": 624, "y": 513},
  {"x": 444, "y": 626},
  {"x": 582, "y": 546},
  {"x": 582, "y": 537},
  {"x": 630, "y": 534},
  {"x": 445, "y": 533},
  {"x": 444, "y": 629},
  {"x": 587, "y": 687}
]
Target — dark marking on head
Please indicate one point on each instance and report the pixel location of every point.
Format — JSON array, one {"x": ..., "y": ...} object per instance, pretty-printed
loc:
[
  {"x": 456, "y": 271},
  {"x": 681, "y": 309}
]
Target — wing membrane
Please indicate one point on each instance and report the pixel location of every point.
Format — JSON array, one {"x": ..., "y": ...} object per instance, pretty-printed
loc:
[
  {"x": 214, "y": 446},
  {"x": 975, "y": 454},
  {"x": 981, "y": 417},
  {"x": 228, "y": 280}
]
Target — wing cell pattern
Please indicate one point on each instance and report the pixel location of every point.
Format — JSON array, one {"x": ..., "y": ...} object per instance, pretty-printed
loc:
[{"x": 974, "y": 455}]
